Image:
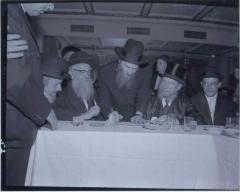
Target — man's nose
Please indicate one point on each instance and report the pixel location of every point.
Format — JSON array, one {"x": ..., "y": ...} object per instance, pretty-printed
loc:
[{"x": 59, "y": 88}]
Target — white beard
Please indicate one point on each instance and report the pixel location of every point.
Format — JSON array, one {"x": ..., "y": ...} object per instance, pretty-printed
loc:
[{"x": 84, "y": 89}]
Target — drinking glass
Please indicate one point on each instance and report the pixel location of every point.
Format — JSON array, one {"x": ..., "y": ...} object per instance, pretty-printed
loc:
[
  {"x": 230, "y": 122},
  {"x": 189, "y": 124}
]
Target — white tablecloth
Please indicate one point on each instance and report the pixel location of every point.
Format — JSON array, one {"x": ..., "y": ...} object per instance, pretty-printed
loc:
[{"x": 133, "y": 157}]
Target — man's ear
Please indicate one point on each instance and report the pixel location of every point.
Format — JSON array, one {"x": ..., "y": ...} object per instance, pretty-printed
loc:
[
  {"x": 219, "y": 84},
  {"x": 201, "y": 83},
  {"x": 70, "y": 72}
]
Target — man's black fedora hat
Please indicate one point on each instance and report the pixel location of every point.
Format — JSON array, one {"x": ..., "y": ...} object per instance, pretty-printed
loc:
[{"x": 132, "y": 52}]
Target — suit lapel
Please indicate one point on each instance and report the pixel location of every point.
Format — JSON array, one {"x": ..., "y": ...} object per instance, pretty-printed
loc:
[
  {"x": 205, "y": 109},
  {"x": 217, "y": 108}
]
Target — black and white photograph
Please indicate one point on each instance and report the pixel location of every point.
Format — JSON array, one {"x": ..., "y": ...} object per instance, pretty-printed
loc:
[{"x": 120, "y": 95}]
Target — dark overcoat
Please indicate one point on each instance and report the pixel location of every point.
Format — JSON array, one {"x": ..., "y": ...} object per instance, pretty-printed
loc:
[
  {"x": 180, "y": 107},
  {"x": 26, "y": 107},
  {"x": 225, "y": 107},
  {"x": 125, "y": 101},
  {"x": 68, "y": 105}
]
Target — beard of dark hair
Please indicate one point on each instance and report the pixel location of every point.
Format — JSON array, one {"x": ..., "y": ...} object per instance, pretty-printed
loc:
[
  {"x": 124, "y": 81},
  {"x": 83, "y": 89}
]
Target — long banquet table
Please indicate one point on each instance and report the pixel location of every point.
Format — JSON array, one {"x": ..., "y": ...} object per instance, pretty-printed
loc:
[{"x": 127, "y": 156}]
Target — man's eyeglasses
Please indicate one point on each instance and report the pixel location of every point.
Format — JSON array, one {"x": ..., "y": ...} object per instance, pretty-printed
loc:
[{"x": 83, "y": 72}]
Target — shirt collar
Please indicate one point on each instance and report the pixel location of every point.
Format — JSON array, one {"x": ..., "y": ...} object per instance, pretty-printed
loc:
[
  {"x": 165, "y": 103},
  {"x": 213, "y": 97},
  {"x": 23, "y": 8}
]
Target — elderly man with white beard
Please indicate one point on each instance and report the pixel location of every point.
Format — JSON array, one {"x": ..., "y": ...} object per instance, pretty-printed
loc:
[{"x": 77, "y": 101}]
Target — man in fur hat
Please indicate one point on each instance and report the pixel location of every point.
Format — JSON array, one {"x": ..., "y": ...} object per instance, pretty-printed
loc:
[
  {"x": 77, "y": 101},
  {"x": 212, "y": 105},
  {"x": 169, "y": 100},
  {"x": 124, "y": 85}
]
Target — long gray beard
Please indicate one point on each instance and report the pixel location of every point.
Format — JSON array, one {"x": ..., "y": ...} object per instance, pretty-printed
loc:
[
  {"x": 125, "y": 81},
  {"x": 83, "y": 89}
]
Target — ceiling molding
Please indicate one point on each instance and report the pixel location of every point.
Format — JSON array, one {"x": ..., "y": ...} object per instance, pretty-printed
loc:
[
  {"x": 146, "y": 9},
  {"x": 202, "y": 13},
  {"x": 89, "y": 8}
]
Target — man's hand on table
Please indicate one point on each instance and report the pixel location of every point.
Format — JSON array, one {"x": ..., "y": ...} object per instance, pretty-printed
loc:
[
  {"x": 92, "y": 112},
  {"x": 114, "y": 118},
  {"x": 52, "y": 120},
  {"x": 138, "y": 118}
]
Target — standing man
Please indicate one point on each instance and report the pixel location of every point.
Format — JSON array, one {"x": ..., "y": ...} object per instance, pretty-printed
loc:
[
  {"x": 26, "y": 108},
  {"x": 124, "y": 86},
  {"x": 211, "y": 104},
  {"x": 160, "y": 68}
]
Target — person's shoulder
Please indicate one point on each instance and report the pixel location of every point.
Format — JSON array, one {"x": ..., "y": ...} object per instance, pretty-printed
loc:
[
  {"x": 196, "y": 96},
  {"x": 226, "y": 98}
]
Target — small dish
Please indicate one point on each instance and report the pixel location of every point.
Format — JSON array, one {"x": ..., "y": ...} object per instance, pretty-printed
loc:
[
  {"x": 214, "y": 130},
  {"x": 155, "y": 127}
]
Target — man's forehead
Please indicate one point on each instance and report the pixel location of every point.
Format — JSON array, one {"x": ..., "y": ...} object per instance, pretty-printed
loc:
[
  {"x": 130, "y": 65},
  {"x": 210, "y": 79},
  {"x": 169, "y": 80},
  {"x": 52, "y": 79},
  {"x": 81, "y": 66}
]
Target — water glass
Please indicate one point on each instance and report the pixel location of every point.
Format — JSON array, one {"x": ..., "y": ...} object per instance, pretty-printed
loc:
[
  {"x": 189, "y": 124},
  {"x": 230, "y": 122}
]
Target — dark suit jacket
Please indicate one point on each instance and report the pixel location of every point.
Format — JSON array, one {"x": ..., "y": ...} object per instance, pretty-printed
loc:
[
  {"x": 27, "y": 108},
  {"x": 224, "y": 108},
  {"x": 68, "y": 105},
  {"x": 125, "y": 101},
  {"x": 180, "y": 107}
]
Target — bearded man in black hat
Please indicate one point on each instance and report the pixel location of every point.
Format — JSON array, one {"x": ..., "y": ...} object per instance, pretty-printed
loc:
[
  {"x": 77, "y": 101},
  {"x": 170, "y": 101},
  {"x": 124, "y": 86},
  {"x": 211, "y": 104}
]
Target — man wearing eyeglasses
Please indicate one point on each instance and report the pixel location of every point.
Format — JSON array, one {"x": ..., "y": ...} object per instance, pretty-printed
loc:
[
  {"x": 77, "y": 102},
  {"x": 124, "y": 85}
]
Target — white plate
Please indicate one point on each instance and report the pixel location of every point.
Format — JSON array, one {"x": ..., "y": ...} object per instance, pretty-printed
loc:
[
  {"x": 214, "y": 130},
  {"x": 231, "y": 132},
  {"x": 155, "y": 127}
]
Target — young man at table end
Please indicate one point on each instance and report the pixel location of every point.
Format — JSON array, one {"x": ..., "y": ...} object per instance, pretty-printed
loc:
[{"x": 212, "y": 105}]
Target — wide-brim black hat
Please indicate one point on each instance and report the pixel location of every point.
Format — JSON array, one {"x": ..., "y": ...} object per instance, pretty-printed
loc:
[
  {"x": 174, "y": 71},
  {"x": 132, "y": 52},
  {"x": 53, "y": 66},
  {"x": 83, "y": 57}
]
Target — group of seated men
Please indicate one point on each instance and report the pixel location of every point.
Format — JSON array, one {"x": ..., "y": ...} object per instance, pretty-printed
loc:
[{"x": 124, "y": 90}]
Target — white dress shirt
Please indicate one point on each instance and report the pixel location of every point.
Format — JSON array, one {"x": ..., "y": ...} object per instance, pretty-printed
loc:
[
  {"x": 212, "y": 104},
  {"x": 164, "y": 103}
]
